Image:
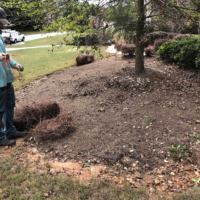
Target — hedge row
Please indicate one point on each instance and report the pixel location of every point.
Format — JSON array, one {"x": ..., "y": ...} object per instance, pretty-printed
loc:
[{"x": 184, "y": 52}]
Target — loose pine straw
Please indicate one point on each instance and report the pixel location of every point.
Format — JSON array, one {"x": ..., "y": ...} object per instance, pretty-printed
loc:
[
  {"x": 27, "y": 116},
  {"x": 55, "y": 128}
]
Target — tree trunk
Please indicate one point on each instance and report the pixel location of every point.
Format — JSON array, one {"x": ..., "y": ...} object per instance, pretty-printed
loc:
[{"x": 139, "y": 58}]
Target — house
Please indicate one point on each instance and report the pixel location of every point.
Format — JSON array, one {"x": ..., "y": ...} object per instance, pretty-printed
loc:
[{"x": 96, "y": 21}]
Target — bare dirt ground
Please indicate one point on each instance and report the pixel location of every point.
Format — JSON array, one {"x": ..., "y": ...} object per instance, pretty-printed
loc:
[{"x": 124, "y": 121}]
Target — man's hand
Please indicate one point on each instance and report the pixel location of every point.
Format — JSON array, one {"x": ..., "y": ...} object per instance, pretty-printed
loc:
[
  {"x": 20, "y": 68},
  {"x": 4, "y": 56}
]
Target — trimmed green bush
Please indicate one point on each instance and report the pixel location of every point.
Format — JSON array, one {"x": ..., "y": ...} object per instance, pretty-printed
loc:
[
  {"x": 185, "y": 52},
  {"x": 83, "y": 40},
  {"x": 159, "y": 42},
  {"x": 167, "y": 51}
]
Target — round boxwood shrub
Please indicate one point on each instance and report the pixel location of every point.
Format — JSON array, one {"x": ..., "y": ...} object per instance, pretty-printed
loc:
[
  {"x": 159, "y": 42},
  {"x": 185, "y": 52}
]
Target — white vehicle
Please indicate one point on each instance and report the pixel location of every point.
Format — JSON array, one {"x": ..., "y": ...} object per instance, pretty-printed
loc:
[{"x": 12, "y": 36}]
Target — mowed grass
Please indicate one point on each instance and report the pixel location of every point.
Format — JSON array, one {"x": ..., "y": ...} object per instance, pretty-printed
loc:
[
  {"x": 19, "y": 183},
  {"x": 49, "y": 40},
  {"x": 42, "y": 61}
]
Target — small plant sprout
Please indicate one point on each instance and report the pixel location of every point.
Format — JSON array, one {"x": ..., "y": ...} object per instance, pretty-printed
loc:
[
  {"x": 196, "y": 180},
  {"x": 150, "y": 121},
  {"x": 48, "y": 165},
  {"x": 194, "y": 135},
  {"x": 178, "y": 152},
  {"x": 86, "y": 165}
]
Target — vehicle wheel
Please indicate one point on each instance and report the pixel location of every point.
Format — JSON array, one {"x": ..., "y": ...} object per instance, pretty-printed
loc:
[
  {"x": 15, "y": 41},
  {"x": 23, "y": 39}
]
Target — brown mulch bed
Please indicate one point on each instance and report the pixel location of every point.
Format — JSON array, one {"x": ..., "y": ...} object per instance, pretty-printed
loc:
[{"x": 120, "y": 114}]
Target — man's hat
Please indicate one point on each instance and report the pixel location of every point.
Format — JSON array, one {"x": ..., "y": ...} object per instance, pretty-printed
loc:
[{"x": 3, "y": 16}]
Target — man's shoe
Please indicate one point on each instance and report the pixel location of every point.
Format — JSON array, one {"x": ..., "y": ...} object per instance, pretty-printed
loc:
[
  {"x": 7, "y": 142},
  {"x": 19, "y": 135}
]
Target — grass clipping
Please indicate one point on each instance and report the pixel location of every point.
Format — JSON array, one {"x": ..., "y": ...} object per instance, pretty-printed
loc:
[
  {"x": 55, "y": 128},
  {"x": 28, "y": 116}
]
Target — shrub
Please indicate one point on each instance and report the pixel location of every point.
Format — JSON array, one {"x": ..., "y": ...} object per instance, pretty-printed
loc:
[
  {"x": 92, "y": 39},
  {"x": 83, "y": 40},
  {"x": 181, "y": 36},
  {"x": 166, "y": 51},
  {"x": 172, "y": 35},
  {"x": 185, "y": 52},
  {"x": 128, "y": 49},
  {"x": 159, "y": 42},
  {"x": 79, "y": 40},
  {"x": 149, "y": 51},
  {"x": 186, "y": 57},
  {"x": 157, "y": 35},
  {"x": 191, "y": 29}
]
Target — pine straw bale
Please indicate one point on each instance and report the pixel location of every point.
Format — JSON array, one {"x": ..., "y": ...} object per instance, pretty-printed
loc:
[
  {"x": 83, "y": 59},
  {"x": 30, "y": 115},
  {"x": 128, "y": 49},
  {"x": 54, "y": 128},
  {"x": 118, "y": 46}
]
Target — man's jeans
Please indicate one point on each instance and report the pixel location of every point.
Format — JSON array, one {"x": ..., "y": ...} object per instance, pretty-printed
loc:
[{"x": 7, "y": 104}]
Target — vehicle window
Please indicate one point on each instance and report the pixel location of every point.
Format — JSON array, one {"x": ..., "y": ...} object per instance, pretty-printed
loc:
[{"x": 5, "y": 35}]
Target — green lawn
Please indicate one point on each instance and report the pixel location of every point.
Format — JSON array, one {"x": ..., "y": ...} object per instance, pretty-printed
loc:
[
  {"x": 43, "y": 41},
  {"x": 42, "y": 61},
  {"x": 19, "y": 183}
]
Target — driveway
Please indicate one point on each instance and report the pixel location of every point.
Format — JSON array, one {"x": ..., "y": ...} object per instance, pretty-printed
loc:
[
  {"x": 42, "y": 35},
  {"x": 36, "y": 47},
  {"x": 110, "y": 49},
  {"x": 35, "y": 37}
]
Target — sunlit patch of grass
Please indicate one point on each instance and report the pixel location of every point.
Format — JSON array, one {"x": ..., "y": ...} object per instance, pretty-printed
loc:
[
  {"x": 42, "y": 61},
  {"x": 49, "y": 40}
]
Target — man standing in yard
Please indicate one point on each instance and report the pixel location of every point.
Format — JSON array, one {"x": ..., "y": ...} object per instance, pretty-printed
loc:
[{"x": 7, "y": 96}]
